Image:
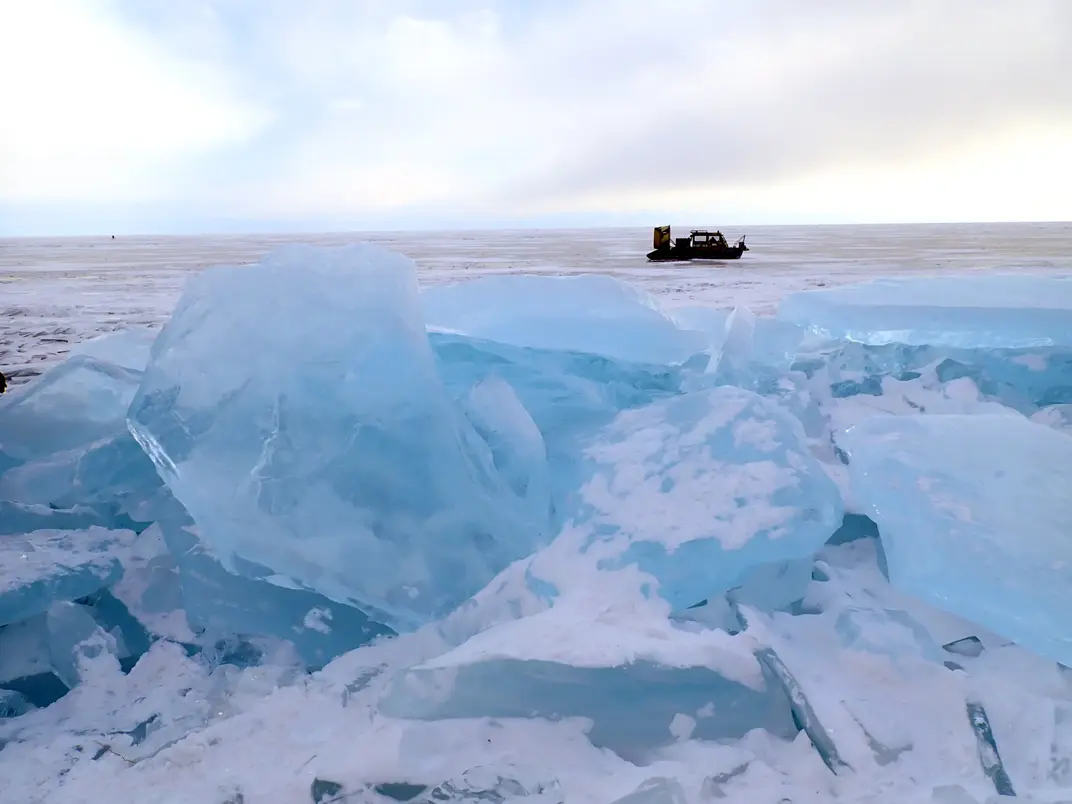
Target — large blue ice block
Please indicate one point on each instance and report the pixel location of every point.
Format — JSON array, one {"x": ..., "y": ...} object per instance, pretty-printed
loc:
[
  {"x": 295, "y": 409},
  {"x": 974, "y": 514}
]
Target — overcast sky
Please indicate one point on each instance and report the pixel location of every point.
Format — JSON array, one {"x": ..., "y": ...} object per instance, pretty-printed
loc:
[{"x": 193, "y": 115}]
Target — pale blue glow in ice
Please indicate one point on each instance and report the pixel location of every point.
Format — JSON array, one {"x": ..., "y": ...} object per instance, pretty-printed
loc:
[
  {"x": 992, "y": 311},
  {"x": 974, "y": 514}
]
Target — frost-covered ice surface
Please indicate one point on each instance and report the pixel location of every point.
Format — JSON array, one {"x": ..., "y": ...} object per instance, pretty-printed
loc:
[
  {"x": 342, "y": 532},
  {"x": 58, "y": 292}
]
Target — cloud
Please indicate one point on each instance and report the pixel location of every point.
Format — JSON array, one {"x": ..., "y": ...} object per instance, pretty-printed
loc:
[
  {"x": 95, "y": 111},
  {"x": 485, "y": 109},
  {"x": 881, "y": 84}
]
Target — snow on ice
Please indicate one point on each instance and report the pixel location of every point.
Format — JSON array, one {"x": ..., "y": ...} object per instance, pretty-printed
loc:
[{"x": 328, "y": 536}]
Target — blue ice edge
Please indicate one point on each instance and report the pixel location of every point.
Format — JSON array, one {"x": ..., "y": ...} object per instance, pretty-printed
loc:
[{"x": 49, "y": 565}]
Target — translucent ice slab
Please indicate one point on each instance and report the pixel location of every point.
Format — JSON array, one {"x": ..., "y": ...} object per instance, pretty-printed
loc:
[
  {"x": 974, "y": 514},
  {"x": 999, "y": 311}
]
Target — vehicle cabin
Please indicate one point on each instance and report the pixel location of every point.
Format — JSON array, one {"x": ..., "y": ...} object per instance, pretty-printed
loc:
[{"x": 701, "y": 238}]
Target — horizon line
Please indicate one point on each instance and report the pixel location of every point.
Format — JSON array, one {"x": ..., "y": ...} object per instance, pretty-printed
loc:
[{"x": 515, "y": 227}]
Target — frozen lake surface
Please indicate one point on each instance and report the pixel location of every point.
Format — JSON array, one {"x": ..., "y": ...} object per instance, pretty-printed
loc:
[
  {"x": 57, "y": 292},
  {"x": 341, "y": 537}
]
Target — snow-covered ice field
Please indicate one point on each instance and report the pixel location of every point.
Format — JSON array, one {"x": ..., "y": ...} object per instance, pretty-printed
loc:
[
  {"x": 341, "y": 528},
  {"x": 57, "y": 292}
]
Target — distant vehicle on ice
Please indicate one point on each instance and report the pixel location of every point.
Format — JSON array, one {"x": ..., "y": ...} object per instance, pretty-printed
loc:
[{"x": 699, "y": 245}]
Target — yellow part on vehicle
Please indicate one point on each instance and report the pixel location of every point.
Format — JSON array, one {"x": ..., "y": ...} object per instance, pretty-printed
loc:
[{"x": 662, "y": 237}]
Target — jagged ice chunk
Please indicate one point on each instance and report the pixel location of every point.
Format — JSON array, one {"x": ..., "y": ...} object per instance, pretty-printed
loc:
[
  {"x": 568, "y": 395},
  {"x": 657, "y": 790},
  {"x": 703, "y": 488},
  {"x": 588, "y": 313},
  {"x": 748, "y": 349},
  {"x": 632, "y": 707},
  {"x": 13, "y": 704},
  {"x": 48, "y": 565},
  {"x": 974, "y": 514},
  {"x": 108, "y": 472},
  {"x": 19, "y": 518},
  {"x": 222, "y": 602},
  {"x": 516, "y": 444},
  {"x": 322, "y": 446},
  {"x": 76, "y": 643},
  {"x": 995, "y": 311},
  {"x": 80, "y": 401},
  {"x": 127, "y": 348}
]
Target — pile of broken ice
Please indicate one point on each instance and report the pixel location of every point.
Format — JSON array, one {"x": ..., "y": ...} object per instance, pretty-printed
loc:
[{"x": 538, "y": 537}]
